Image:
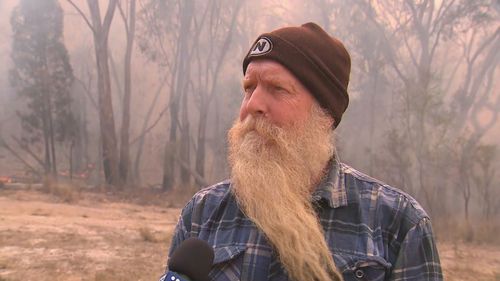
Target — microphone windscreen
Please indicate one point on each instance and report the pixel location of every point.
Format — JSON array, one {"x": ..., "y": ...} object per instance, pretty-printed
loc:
[{"x": 193, "y": 258}]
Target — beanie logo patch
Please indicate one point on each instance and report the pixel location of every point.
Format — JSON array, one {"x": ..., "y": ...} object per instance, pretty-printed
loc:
[{"x": 261, "y": 47}]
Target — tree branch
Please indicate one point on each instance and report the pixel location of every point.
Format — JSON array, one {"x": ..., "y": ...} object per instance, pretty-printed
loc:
[
  {"x": 193, "y": 173},
  {"x": 108, "y": 18},
  {"x": 87, "y": 92},
  {"x": 82, "y": 14},
  {"x": 124, "y": 18},
  {"x": 26, "y": 148},
  {"x": 151, "y": 126},
  {"x": 115, "y": 74},
  {"x": 13, "y": 152}
]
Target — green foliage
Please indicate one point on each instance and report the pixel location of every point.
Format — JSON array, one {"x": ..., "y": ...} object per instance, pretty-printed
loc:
[
  {"x": 41, "y": 75},
  {"x": 156, "y": 30},
  {"x": 422, "y": 76}
]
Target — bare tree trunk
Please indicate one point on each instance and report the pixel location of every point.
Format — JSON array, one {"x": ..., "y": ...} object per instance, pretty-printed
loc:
[
  {"x": 142, "y": 136},
  {"x": 373, "y": 116},
  {"x": 100, "y": 162},
  {"x": 201, "y": 141},
  {"x": 100, "y": 29},
  {"x": 484, "y": 158},
  {"x": 114, "y": 76},
  {"x": 107, "y": 122},
  {"x": 70, "y": 160},
  {"x": 185, "y": 141},
  {"x": 45, "y": 124},
  {"x": 171, "y": 143},
  {"x": 125, "y": 130},
  {"x": 170, "y": 147},
  {"x": 106, "y": 116},
  {"x": 46, "y": 142},
  {"x": 79, "y": 142},
  {"x": 85, "y": 136},
  {"x": 212, "y": 76},
  {"x": 180, "y": 76},
  {"x": 51, "y": 137}
]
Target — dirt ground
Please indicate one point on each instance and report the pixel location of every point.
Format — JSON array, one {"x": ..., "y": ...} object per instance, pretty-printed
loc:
[{"x": 101, "y": 237}]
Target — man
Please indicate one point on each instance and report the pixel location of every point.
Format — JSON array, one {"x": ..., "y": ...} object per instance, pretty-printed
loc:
[{"x": 292, "y": 210}]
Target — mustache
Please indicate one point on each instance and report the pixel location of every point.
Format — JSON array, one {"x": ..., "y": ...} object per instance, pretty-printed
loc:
[{"x": 259, "y": 126}]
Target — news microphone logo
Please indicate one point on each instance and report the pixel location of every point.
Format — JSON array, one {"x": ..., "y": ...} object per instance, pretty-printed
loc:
[
  {"x": 174, "y": 276},
  {"x": 191, "y": 261}
]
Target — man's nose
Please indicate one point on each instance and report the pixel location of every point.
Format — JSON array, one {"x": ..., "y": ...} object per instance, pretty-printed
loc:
[{"x": 258, "y": 103}]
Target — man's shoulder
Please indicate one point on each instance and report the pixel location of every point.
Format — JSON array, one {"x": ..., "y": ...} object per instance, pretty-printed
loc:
[
  {"x": 366, "y": 190},
  {"x": 210, "y": 207},
  {"x": 212, "y": 195}
]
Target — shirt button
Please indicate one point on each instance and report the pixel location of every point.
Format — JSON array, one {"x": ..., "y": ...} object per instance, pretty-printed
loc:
[{"x": 359, "y": 273}]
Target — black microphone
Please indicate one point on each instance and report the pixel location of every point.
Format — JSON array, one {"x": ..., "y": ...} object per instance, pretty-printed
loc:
[{"x": 191, "y": 261}]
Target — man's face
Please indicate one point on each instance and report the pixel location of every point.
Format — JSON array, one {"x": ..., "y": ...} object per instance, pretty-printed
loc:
[{"x": 273, "y": 93}]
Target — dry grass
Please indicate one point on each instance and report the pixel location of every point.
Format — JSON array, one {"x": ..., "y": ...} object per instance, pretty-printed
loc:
[
  {"x": 469, "y": 262},
  {"x": 115, "y": 235},
  {"x": 477, "y": 231},
  {"x": 487, "y": 232},
  {"x": 97, "y": 237},
  {"x": 105, "y": 275},
  {"x": 149, "y": 235},
  {"x": 67, "y": 192},
  {"x": 40, "y": 212},
  {"x": 3, "y": 264}
]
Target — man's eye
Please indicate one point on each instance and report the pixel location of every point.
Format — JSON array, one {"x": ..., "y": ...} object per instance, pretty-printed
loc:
[
  {"x": 248, "y": 89},
  {"x": 279, "y": 89}
]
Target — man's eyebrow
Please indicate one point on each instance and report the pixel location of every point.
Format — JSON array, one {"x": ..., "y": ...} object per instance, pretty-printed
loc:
[
  {"x": 271, "y": 79},
  {"x": 281, "y": 82}
]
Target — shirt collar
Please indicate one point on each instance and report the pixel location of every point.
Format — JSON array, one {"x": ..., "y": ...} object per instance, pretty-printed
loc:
[{"x": 332, "y": 188}]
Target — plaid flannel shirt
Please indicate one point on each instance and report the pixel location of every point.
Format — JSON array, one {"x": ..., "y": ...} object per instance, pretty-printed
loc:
[{"x": 375, "y": 232}]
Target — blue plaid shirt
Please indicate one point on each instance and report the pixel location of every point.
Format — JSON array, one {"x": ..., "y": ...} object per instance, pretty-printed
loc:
[{"x": 375, "y": 232}]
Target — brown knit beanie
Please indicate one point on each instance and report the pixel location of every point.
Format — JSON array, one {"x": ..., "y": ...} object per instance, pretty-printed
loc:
[{"x": 318, "y": 60}]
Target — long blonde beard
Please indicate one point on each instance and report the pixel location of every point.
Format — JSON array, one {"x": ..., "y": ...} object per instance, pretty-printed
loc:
[{"x": 274, "y": 171}]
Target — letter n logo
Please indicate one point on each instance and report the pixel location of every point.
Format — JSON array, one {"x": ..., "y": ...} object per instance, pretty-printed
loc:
[{"x": 261, "y": 47}]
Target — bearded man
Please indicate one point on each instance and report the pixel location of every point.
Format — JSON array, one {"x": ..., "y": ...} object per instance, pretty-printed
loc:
[{"x": 291, "y": 210}]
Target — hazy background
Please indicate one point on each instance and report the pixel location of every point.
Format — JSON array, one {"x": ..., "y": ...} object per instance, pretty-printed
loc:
[{"x": 423, "y": 112}]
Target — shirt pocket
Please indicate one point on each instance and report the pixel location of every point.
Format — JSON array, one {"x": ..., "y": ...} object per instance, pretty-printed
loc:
[
  {"x": 362, "y": 268},
  {"x": 227, "y": 262}
]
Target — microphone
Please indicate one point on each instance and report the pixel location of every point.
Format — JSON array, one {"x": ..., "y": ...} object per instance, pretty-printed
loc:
[{"x": 191, "y": 261}]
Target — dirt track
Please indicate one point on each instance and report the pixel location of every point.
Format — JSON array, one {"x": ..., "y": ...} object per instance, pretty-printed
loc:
[{"x": 98, "y": 238}]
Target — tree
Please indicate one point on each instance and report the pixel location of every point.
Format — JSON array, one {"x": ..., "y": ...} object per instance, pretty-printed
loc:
[
  {"x": 419, "y": 51},
  {"x": 220, "y": 33},
  {"x": 129, "y": 23},
  {"x": 100, "y": 29},
  {"x": 42, "y": 76},
  {"x": 163, "y": 44},
  {"x": 474, "y": 97},
  {"x": 169, "y": 24},
  {"x": 191, "y": 40}
]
